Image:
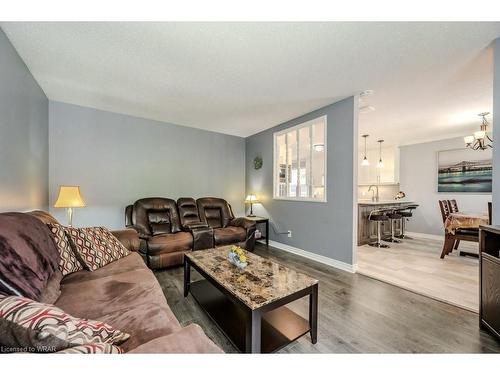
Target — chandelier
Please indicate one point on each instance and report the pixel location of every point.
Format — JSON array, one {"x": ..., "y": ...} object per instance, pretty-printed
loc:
[{"x": 480, "y": 140}]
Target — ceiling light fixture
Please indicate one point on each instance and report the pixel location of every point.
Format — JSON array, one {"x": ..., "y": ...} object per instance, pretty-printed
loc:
[
  {"x": 366, "y": 109},
  {"x": 480, "y": 140},
  {"x": 365, "y": 93},
  {"x": 319, "y": 147},
  {"x": 365, "y": 162},
  {"x": 380, "y": 163}
]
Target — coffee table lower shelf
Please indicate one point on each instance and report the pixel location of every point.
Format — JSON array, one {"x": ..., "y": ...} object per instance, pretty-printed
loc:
[{"x": 279, "y": 327}]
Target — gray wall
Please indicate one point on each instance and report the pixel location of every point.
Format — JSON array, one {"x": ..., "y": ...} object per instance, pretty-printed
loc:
[
  {"x": 496, "y": 132},
  {"x": 418, "y": 179},
  {"x": 117, "y": 159},
  {"x": 24, "y": 163},
  {"x": 322, "y": 228}
]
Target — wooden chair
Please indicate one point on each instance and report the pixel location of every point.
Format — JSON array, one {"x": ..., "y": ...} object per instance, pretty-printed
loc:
[
  {"x": 453, "y": 207},
  {"x": 460, "y": 234},
  {"x": 490, "y": 213}
]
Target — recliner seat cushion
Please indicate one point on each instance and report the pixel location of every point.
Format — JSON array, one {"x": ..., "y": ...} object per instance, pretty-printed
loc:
[
  {"x": 169, "y": 243},
  {"x": 229, "y": 235}
]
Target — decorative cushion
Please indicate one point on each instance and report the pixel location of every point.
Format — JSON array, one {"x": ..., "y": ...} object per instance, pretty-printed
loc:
[
  {"x": 96, "y": 246},
  {"x": 113, "y": 244},
  {"x": 92, "y": 349},
  {"x": 29, "y": 255},
  {"x": 68, "y": 263},
  {"x": 38, "y": 327}
]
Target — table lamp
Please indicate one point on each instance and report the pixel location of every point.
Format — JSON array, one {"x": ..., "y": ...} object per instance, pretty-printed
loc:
[
  {"x": 251, "y": 198},
  {"x": 69, "y": 197}
]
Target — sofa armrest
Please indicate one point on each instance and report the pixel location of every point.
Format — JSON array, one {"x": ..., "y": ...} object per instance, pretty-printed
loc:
[
  {"x": 128, "y": 237},
  {"x": 242, "y": 222},
  {"x": 138, "y": 230},
  {"x": 249, "y": 226}
]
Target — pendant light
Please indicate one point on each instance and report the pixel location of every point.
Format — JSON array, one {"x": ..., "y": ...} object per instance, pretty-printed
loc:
[
  {"x": 380, "y": 163},
  {"x": 480, "y": 140},
  {"x": 365, "y": 162}
]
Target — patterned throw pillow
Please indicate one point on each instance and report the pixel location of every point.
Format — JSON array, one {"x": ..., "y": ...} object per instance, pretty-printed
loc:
[
  {"x": 37, "y": 327},
  {"x": 93, "y": 349},
  {"x": 68, "y": 263},
  {"x": 113, "y": 244},
  {"x": 96, "y": 246}
]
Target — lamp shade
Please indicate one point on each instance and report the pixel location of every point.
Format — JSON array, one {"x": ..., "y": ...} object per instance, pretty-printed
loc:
[
  {"x": 251, "y": 198},
  {"x": 69, "y": 196}
]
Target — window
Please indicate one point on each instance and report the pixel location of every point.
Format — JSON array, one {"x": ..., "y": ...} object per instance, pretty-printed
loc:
[{"x": 300, "y": 162}]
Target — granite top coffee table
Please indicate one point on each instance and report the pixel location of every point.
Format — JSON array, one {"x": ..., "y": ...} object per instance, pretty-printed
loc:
[{"x": 248, "y": 304}]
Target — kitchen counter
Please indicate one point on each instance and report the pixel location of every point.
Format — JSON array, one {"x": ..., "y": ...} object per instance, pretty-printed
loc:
[
  {"x": 369, "y": 202},
  {"x": 367, "y": 232}
]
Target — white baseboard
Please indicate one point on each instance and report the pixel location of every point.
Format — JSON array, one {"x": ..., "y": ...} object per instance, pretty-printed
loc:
[
  {"x": 318, "y": 258},
  {"x": 426, "y": 236}
]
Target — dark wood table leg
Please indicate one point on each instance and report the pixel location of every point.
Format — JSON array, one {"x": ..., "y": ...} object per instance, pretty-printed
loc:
[
  {"x": 187, "y": 276},
  {"x": 313, "y": 313},
  {"x": 267, "y": 232},
  {"x": 253, "y": 330}
]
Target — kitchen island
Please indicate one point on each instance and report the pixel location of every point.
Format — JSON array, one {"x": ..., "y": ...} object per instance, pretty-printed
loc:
[{"x": 368, "y": 233}]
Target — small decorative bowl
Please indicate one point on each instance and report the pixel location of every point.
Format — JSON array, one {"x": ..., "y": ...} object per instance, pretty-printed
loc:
[{"x": 235, "y": 260}]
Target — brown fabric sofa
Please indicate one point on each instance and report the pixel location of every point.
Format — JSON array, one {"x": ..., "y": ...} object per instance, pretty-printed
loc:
[
  {"x": 126, "y": 295},
  {"x": 168, "y": 229}
]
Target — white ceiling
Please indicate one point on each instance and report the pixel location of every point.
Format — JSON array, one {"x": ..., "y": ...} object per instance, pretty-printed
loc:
[{"x": 430, "y": 79}]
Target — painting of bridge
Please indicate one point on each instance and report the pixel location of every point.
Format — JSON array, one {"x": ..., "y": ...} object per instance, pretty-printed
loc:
[{"x": 464, "y": 171}]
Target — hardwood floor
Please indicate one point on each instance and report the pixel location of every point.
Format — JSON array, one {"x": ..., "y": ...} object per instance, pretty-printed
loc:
[
  {"x": 357, "y": 314},
  {"x": 415, "y": 265}
]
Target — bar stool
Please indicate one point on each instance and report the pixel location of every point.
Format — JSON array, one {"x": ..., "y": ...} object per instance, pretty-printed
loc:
[
  {"x": 393, "y": 217},
  {"x": 378, "y": 217},
  {"x": 406, "y": 213}
]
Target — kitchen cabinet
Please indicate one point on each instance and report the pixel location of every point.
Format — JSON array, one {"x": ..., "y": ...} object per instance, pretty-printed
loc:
[{"x": 388, "y": 174}]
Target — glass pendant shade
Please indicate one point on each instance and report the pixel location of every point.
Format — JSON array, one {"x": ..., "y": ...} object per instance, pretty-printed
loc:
[
  {"x": 479, "y": 134},
  {"x": 469, "y": 139},
  {"x": 380, "y": 163},
  {"x": 365, "y": 162}
]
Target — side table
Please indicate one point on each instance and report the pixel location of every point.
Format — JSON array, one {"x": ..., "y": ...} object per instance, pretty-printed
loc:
[{"x": 261, "y": 220}]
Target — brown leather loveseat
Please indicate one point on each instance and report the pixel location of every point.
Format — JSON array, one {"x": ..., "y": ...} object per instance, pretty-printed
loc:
[{"x": 168, "y": 229}]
